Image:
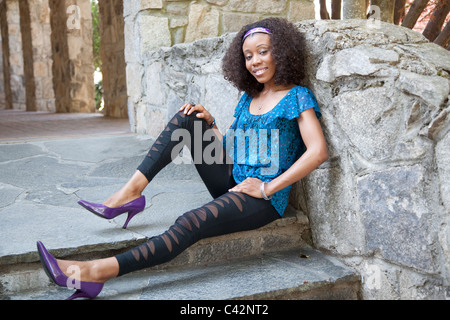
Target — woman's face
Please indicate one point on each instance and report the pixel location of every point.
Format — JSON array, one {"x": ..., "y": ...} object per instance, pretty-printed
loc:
[{"x": 258, "y": 57}]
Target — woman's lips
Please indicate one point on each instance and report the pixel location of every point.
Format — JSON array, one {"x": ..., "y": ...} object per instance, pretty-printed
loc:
[{"x": 259, "y": 72}]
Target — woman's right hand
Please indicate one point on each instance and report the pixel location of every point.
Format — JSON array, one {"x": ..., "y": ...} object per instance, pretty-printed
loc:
[{"x": 202, "y": 112}]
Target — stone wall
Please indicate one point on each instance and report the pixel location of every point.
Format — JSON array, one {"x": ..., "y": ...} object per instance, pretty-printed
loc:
[
  {"x": 73, "y": 68},
  {"x": 2, "y": 78},
  {"x": 167, "y": 22},
  {"x": 382, "y": 201},
  {"x": 151, "y": 24}
]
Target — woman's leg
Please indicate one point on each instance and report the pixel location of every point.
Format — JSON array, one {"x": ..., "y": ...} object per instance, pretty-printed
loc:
[
  {"x": 231, "y": 212},
  {"x": 99, "y": 271},
  {"x": 131, "y": 190},
  {"x": 216, "y": 175}
]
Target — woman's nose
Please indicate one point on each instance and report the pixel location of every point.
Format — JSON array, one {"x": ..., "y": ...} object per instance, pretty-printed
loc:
[{"x": 256, "y": 60}]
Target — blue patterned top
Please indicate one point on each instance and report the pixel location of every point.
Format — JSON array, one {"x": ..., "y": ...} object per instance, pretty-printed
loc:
[{"x": 264, "y": 146}]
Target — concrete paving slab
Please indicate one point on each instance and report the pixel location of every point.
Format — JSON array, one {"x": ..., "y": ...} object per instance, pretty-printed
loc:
[{"x": 41, "y": 182}]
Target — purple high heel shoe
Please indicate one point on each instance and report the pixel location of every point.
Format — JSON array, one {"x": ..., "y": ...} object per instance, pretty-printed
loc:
[
  {"x": 85, "y": 289},
  {"x": 132, "y": 207}
]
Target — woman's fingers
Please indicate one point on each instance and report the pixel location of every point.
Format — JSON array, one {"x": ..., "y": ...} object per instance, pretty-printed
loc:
[
  {"x": 249, "y": 186},
  {"x": 189, "y": 108}
]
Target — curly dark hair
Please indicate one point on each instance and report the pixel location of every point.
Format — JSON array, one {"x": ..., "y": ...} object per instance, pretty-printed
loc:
[{"x": 287, "y": 45}]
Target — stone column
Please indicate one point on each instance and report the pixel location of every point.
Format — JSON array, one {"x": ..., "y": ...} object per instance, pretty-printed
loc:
[
  {"x": 2, "y": 78},
  {"x": 15, "y": 56},
  {"x": 113, "y": 58},
  {"x": 5, "y": 56},
  {"x": 354, "y": 9},
  {"x": 27, "y": 51},
  {"x": 40, "y": 29},
  {"x": 73, "y": 67}
]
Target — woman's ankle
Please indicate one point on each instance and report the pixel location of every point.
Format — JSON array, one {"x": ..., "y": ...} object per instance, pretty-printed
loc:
[
  {"x": 103, "y": 270},
  {"x": 120, "y": 198},
  {"x": 98, "y": 271},
  {"x": 130, "y": 191}
]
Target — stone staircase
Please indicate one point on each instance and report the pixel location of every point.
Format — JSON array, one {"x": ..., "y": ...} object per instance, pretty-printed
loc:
[{"x": 274, "y": 262}]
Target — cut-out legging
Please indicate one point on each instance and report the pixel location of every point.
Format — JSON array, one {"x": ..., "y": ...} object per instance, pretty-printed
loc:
[{"x": 229, "y": 211}]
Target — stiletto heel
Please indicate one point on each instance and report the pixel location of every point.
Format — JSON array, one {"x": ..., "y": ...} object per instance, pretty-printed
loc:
[
  {"x": 85, "y": 289},
  {"x": 132, "y": 207},
  {"x": 131, "y": 215}
]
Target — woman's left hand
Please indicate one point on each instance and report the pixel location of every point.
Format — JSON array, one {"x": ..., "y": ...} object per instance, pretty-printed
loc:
[
  {"x": 202, "y": 112},
  {"x": 250, "y": 186}
]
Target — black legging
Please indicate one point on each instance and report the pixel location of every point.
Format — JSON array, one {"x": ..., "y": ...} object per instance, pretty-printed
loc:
[{"x": 229, "y": 211}]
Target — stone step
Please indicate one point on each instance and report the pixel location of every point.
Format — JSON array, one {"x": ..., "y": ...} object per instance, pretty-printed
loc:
[
  {"x": 302, "y": 273},
  {"x": 23, "y": 271}
]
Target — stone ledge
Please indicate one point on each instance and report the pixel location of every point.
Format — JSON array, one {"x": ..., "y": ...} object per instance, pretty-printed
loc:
[{"x": 278, "y": 275}]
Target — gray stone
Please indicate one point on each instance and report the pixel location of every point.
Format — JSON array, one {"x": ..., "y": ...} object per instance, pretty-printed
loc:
[
  {"x": 153, "y": 40},
  {"x": 242, "y": 278},
  {"x": 443, "y": 164},
  {"x": 335, "y": 221},
  {"x": 8, "y": 194},
  {"x": 355, "y": 61},
  {"x": 396, "y": 216},
  {"x": 373, "y": 112},
  {"x": 99, "y": 149},
  {"x": 280, "y": 275},
  {"x": 433, "y": 89},
  {"x": 18, "y": 151},
  {"x": 38, "y": 172}
]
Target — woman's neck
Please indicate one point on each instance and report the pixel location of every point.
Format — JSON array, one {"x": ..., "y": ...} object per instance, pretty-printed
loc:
[{"x": 272, "y": 88}]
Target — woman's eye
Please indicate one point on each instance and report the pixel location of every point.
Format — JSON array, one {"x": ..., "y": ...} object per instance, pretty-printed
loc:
[{"x": 248, "y": 57}]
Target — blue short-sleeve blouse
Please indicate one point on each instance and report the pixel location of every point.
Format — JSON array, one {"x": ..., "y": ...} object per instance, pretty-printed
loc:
[{"x": 264, "y": 146}]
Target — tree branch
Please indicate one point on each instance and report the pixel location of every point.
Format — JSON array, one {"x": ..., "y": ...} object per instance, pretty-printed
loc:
[
  {"x": 414, "y": 13},
  {"x": 444, "y": 37},
  {"x": 437, "y": 20},
  {"x": 336, "y": 6},
  {"x": 399, "y": 11},
  {"x": 323, "y": 10}
]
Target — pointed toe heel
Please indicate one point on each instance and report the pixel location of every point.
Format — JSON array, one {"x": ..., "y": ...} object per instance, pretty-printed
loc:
[
  {"x": 132, "y": 208},
  {"x": 85, "y": 289}
]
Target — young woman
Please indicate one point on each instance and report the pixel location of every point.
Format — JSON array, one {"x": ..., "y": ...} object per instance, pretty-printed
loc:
[{"x": 282, "y": 143}]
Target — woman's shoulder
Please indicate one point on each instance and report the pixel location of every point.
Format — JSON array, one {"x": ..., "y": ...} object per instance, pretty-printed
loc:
[
  {"x": 241, "y": 104},
  {"x": 300, "y": 99},
  {"x": 302, "y": 90}
]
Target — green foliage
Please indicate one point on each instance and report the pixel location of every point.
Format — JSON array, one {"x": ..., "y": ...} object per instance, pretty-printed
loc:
[
  {"x": 99, "y": 95},
  {"x": 96, "y": 45},
  {"x": 96, "y": 34}
]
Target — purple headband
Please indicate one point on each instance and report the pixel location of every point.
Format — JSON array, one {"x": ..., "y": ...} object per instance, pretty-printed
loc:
[{"x": 256, "y": 30}]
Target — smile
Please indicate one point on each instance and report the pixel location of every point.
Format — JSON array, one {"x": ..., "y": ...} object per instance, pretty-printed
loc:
[{"x": 259, "y": 72}]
